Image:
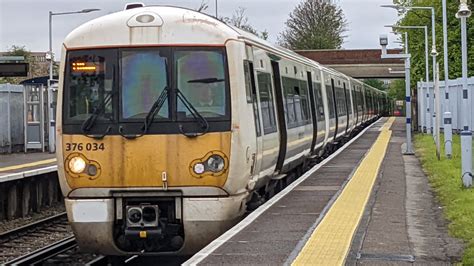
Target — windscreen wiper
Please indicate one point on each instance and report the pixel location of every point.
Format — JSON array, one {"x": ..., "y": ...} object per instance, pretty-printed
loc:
[
  {"x": 90, "y": 121},
  {"x": 155, "y": 108},
  {"x": 202, "y": 121},
  {"x": 205, "y": 80}
]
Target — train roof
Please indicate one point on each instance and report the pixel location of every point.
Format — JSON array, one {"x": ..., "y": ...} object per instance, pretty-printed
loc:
[{"x": 149, "y": 25}]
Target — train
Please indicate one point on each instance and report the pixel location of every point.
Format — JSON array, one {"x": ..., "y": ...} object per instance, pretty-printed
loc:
[{"x": 172, "y": 124}]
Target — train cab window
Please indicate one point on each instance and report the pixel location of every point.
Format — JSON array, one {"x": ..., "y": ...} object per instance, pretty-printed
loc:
[
  {"x": 200, "y": 76},
  {"x": 89, "y": 85},
  {"x": 144, "y": 77},
  {"x": 266, "y": 102}
]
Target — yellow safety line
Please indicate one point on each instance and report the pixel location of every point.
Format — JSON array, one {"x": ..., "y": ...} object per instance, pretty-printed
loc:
[
  {"x": 15, "y": 167},
  {"x": 331, "y": 240}
]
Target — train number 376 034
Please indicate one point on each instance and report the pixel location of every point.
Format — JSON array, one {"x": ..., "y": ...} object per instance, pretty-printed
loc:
[{"x": 85, "y": 146}]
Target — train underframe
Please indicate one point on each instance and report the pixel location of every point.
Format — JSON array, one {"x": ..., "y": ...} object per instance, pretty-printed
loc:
[{"x": 169, "y": 224}]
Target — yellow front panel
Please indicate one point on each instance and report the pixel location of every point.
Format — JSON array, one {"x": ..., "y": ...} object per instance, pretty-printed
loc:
[{"x": 142, "y": 161}]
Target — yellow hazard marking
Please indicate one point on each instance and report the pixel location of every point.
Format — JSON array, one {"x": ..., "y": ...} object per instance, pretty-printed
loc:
[
  {"x": 26, "y": 165},
  {"x": 331, "y": 240},
  {"x": 142, "y": 234}
]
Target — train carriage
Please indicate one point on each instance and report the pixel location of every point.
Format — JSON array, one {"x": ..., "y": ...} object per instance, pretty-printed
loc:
[{"x": 171, "y": 124}]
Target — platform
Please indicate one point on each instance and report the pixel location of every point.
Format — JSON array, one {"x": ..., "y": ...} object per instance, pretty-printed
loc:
[
  {"x": 362, "y": 205},
  {"x": 19, "y": 165}
]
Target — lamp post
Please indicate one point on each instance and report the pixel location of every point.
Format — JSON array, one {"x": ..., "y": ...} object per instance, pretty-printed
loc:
[
  {"x": 466, "y": 134},
  {"x": 406, "y": 57},
  {"x": 50, "y": 57},
  {"x": 447, "y": 121},
  {"x": 434, "y": 53},
  {"x": 427, "y": 72}
]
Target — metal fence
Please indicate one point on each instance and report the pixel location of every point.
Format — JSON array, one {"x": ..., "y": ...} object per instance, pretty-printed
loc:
[
  {"x": 425, "y": 108},
  {"x": 11, "y": 118}
]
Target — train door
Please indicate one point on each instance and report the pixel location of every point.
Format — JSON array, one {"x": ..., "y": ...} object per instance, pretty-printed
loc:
[
  {"x": 280, "y": 115},
  {"x": 313, "y": 110},
  {"x": 252, "y": 98},
  {"x": 334, "y": 101},
  {"x": 347, "y": 104},
  {"x": 319, "y": 111},
  {"x": 355, "y": 103}
]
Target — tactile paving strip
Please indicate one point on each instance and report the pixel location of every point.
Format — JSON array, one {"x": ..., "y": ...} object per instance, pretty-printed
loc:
[{"x": 330, "y": 242}]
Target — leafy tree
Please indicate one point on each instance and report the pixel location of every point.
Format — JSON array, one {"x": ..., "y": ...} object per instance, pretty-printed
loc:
[
  {"x": 416, "y": 40},
  {"x": 376, "y": 83},
  {"x": 241, "y": 21},
  {"x": 314, "y": 24},
  {"x": 396, "y": 89},
  {"x": 238, "y": 19}
]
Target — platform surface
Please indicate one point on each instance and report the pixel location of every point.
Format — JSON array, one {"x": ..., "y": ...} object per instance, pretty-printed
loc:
[
  {"x": 282, "y": 233},
  {"x": 19, "y": 165}
]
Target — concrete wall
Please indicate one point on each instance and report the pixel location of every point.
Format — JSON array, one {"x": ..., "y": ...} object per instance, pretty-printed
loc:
[{"x": 14, "y": 95}]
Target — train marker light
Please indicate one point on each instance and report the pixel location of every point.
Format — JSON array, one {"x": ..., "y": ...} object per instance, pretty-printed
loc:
[
  {"x": 77, "y": 165},
  {"x": 199, "y": 168}
]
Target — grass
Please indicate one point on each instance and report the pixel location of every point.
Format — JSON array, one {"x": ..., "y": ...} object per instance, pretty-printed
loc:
[{"x": 445, "y": 178}]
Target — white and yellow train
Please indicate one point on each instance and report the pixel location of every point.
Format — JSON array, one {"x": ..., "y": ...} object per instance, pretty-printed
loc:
[{"x": 172, "y": 123}]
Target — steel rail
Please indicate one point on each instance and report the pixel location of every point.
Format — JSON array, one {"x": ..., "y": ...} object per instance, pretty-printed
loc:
[
  {"x": 41, "y": 255},
  {"x": 32, "y": 226}
]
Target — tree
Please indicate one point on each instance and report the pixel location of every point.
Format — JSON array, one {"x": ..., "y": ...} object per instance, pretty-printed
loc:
[
  {"x": 238, "y": 19},
  {"x": 396, "y": 89},
  {"x": 416, "y": 40},
  {"x": 314, "y": 24},
  {"x": 241, "y": 21},
  {"x": 376, "y": 83}
]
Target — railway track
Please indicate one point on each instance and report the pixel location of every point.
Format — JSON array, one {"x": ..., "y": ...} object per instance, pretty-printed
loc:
[{"x": 28, "y": 238}]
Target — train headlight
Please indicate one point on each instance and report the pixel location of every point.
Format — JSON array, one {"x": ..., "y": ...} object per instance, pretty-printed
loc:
[
  {"x": 215, "y": 163},
  {"x": 199, "y": 168},
  {"x": 134, "y": 215},
  {"x": 149, "y": 214},
  {"x": 77, "y": 165}
]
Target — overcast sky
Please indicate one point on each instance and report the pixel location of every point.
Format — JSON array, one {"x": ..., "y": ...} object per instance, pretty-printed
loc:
[{"x": 25, "y": 22}]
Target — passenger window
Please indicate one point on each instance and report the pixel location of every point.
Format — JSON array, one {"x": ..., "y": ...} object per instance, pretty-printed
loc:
[
  {"x": 266, "y": 102},
  {"x": 304, "y": 98},
  {"x": 248, "y": 80},
  {"x": 319, "y": 102},
  {"x": 250, "y": 87},
  {"x": 289, "y": 101},
  {"x": 330, "y": 99},
  {"x": 348, "y": 100},
  {"x": 296, "y": 102}
]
